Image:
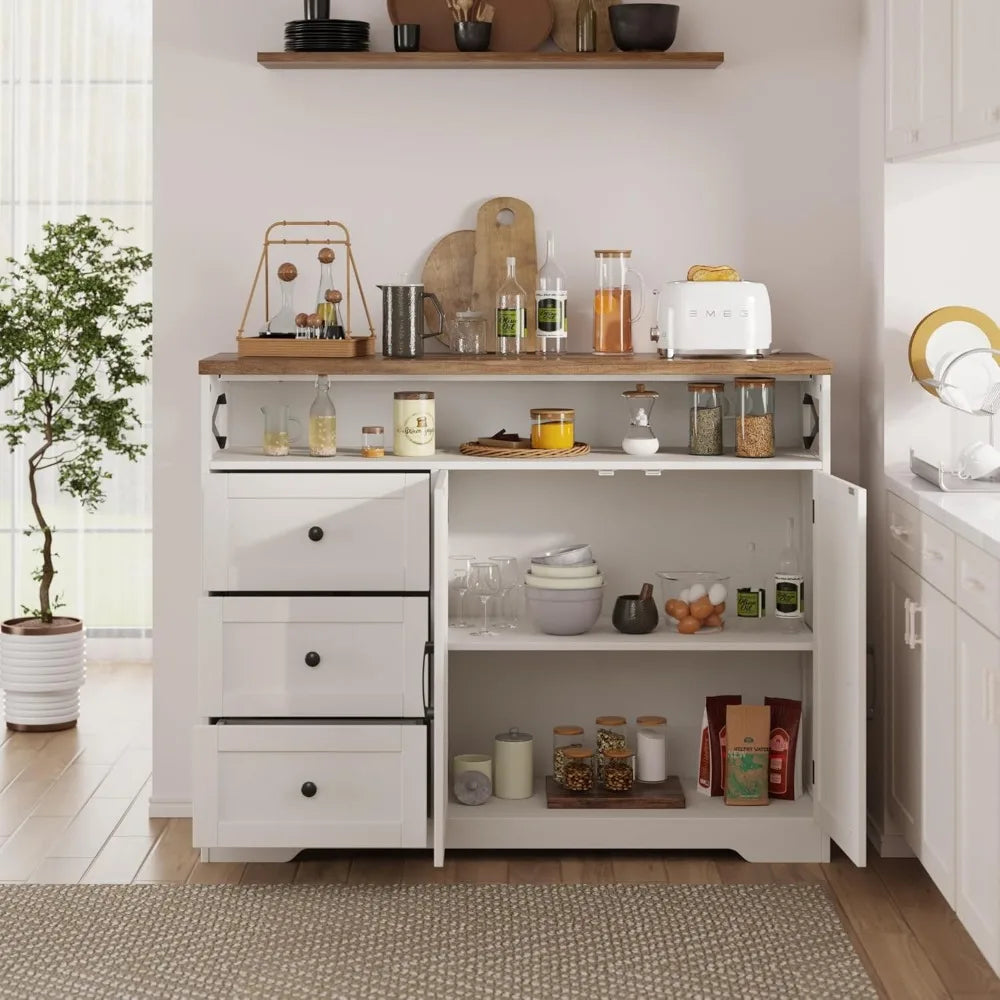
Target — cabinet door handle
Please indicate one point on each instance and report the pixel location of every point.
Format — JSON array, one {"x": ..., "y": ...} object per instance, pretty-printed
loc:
[
  {"x": 915, "y": 609},
  {"x": 934, "y": 554},
  {"x": 907, "y": 623},
  {"x": 971, "y": 583},
  {"x": 308, "y": 789},
  {"x": 312, "y": 659},
  {"x": 315, "y": 533},
  {"x": 897, "y": 532}
]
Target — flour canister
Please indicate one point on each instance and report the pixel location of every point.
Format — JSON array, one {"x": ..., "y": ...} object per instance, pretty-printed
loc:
[
  {"x": 513, "y": 771},
  {"x": 413, "y": 420}
]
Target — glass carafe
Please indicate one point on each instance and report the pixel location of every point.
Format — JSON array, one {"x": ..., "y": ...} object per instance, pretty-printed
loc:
[
  {"x": 323, "y": 421},
  {"x": 613, "y": 306}
]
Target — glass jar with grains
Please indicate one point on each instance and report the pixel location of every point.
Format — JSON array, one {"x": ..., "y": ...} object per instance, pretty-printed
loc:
[
  {"x": 612, "y": 734},
  {"x": 619, "y": 774},
  {"x": 755, "y": 417},
  {"x": 705, "y": 434},
  {"x": 564, "y": 738},
  {"x": 578, "y": 775}
]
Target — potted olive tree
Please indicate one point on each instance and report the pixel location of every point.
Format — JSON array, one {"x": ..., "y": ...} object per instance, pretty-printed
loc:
[{"x": 69, "y": 366}]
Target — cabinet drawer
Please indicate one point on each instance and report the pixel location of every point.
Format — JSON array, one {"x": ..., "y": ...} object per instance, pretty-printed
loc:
[
  {"x": 312, "y": 656},
  {"x": 977, "y": 585},
  {"x": 904, "y": 532},
  {"x": 322, "y": 532},
  {"x": 310, "y": 785},
  {"x": 937, "y": 555}
]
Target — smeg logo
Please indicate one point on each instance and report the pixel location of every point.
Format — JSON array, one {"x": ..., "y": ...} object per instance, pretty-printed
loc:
[{"x": 718, "y": 313}]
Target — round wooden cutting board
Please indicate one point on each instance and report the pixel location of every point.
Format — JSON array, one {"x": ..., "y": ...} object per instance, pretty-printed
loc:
[
  {"x": 448, "y": 274},
  {"x": 518, "y": 25},
  {"x": 564, "y": 32}
]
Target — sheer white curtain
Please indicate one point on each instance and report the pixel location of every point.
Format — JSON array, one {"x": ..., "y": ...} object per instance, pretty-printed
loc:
[{"x": 75, "y": 137}]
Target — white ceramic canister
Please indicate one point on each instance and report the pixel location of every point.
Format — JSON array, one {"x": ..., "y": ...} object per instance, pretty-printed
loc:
[
  {"x": 413, "y": 424},
  {"x": 651, "y": 748},
  {"x": 513, "y": 769},
  {"x": 472, "y": 762}
]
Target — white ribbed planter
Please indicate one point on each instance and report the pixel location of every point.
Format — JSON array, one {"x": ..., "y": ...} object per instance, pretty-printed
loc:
[{"x": 41, "y": 672}]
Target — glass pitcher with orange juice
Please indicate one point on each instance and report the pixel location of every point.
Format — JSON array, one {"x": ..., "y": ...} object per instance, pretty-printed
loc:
[{"x": 613, "y": 315}]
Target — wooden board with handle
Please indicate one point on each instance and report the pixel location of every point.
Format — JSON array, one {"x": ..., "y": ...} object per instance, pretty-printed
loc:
[
  {"x": 448, "y": 274},
  {"x": 495, "y": 242},
  {"x": 564, "y": 29}
]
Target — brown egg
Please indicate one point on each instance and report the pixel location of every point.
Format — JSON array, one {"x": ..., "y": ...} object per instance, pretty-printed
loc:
[
  {"x": 287, "y": 272},
  {"x": 720, "y": 609},
  {"x": 688, "y": 626},
  {"x": 713, "y": 621},
  {"x": 702, "y": 608},
  {"x": 677, "y": 609},
  {"x": 301, "y": 319},
  {"x": 325, "y": 256},
  {"x": 332, "y": 295}
]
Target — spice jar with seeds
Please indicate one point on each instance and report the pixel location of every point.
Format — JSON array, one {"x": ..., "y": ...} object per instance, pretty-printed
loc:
[
  {"x": 564, "y": 738},
  {"x": 619, "y": 774},
  {"x": 612, "y": 734},
  {"x": 705, "y": 425},
  {"x": 578, "y": 773},
  {"x": 755, "y": 417}
]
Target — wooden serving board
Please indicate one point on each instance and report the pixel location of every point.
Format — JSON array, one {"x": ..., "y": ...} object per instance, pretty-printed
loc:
[
  {"x": 280, "y": 347},
  {"x": 448, "y": 274},
  {"x": 564, "y": 30},
  {"x": 665, "y": 795},
  {"x": 496, "y": 242},
  {"x": 518, "y": 25}
]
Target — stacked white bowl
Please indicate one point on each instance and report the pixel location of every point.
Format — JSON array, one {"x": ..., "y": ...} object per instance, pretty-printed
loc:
[{"x": 565, "y": 590}]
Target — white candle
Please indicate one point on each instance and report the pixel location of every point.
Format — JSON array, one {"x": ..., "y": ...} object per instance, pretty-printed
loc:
[{"x": 651, "y": 746}]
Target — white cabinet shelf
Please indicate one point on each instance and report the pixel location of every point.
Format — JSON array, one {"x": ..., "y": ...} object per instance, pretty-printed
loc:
[
  {"x": 749, "y": 636},
  {"x": 780, "y": 831},
  {"x": 599, "y": 460}
]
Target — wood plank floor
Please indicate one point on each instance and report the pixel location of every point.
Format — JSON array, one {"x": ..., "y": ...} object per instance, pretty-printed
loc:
[{"x": 73, "y": 808}]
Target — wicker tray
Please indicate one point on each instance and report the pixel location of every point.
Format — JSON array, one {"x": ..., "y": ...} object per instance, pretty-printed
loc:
[
  {"x": 485, "y": 451},
  {"x": 288, "y": 347}
]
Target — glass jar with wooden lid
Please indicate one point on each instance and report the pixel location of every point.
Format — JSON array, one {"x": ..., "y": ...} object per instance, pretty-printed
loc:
[
  {"x": 578, "y": 774},
  {"x": 618, "y": 774},
  {"x": 564, "y": 738},
  {"x": 754, "y": 417},
  {"x": 553, "y": 429},
  {"x": 611, "y": 734},
  {"x": 705, "y": 423}
]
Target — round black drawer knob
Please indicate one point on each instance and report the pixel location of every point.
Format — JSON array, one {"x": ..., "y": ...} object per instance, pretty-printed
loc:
[
  {"x": 315, "y": 533},
  {"x": 312, "y": 659},
  {"x": 309, "y": 789}
]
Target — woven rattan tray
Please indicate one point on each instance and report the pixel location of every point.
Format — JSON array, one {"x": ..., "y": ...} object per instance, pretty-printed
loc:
[{"x": 485, "y": 451}]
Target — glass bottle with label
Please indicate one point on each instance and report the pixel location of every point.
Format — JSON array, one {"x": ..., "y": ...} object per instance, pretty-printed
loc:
[
  {"x": 751, "y": 598},
  {"x": 789, "y": 587},
  {"x": 323, "y": 421},
  {"x": 550, "y": 305},
  {"x": 511, "y": 314}
]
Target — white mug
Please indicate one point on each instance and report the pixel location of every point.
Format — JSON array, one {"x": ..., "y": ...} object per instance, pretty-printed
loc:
[{"x": 977, "y": 461}]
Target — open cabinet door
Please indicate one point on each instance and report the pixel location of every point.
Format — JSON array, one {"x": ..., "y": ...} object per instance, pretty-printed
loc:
[
  {"x": 838, "y": 621},
  {"x": 439, "y": 671}
]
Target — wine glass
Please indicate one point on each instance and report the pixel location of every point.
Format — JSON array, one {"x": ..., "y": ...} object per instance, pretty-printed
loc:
[
  {"x": 458, "y": 581},
  {"x": 509, "y": 580},
  {"x": 485, "y": 583}
]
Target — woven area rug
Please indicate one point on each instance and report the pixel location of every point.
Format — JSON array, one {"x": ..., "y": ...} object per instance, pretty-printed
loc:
[{"x": 430, "y": 942}]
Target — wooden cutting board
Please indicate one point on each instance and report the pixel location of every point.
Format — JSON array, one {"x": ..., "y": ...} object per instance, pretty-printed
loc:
[
  {"x": 448, "y": 274},
  {"x": 518, "y": 25},
  {"x": 564, "y": 30},
  {"x": 495, "y": 242}
]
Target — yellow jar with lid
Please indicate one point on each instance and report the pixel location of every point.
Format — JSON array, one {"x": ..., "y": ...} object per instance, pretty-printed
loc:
[
  {"x": 413, "y": 418},
  {"x": 553, "y": 429}
]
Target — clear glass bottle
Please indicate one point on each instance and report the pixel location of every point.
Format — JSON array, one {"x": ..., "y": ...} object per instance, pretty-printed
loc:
[
  {"x": 551, "y": 297},
  {"x": 323, "y": 421},
  {"x": 325, "y": 309},
  {"x": 511, "y": 314},
  {"x": 578, "y": 775},
  {"x": 789, "y": 586},
  {"x": 705, "y": 424},
  {"x": 333, "y": 324},
  {"x": 618, "y": 774},
  {"x": 563, "y": 739},
  {"x": 282, "y": 323},
  {"x": 586, "y": 26},
  {"x": 611, "y": 734},
  {"x": 755, "y": 417}
]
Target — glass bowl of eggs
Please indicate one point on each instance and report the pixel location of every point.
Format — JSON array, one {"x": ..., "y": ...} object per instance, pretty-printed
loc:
[{"x": 694, "y": 600}]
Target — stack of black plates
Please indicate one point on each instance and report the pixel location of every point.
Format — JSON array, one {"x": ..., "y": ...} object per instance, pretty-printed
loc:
[{"x": 328, "y": 35}]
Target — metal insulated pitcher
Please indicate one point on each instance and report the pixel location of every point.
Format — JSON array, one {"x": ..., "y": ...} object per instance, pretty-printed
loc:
[{"x": 403, "y": 320}]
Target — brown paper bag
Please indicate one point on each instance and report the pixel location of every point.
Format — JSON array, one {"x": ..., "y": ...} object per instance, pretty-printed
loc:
[{"x": 748, "y": 741}]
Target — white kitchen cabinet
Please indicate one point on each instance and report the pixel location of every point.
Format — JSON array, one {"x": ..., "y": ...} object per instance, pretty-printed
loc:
[
  {"x": 918, "y": 76},
  {"x": 976, "y": 86},
  {"x": 978, "y": 889}
]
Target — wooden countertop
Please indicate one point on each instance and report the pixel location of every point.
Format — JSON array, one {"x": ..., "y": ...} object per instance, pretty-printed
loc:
[{"x": 581, "y": 366}]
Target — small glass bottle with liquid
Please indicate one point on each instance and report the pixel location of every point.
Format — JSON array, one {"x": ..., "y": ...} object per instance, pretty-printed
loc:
[{"x": 323, "y": 421}]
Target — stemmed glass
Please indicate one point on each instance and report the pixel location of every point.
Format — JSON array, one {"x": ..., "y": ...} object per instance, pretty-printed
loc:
[
  {"x": 458, "y": 573},
  {"x": 509, "y": 581},
  {"x": 485, "y": 583}
]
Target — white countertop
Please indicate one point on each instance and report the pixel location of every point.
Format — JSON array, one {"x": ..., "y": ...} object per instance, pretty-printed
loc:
[{"x": 973, "y": 516}]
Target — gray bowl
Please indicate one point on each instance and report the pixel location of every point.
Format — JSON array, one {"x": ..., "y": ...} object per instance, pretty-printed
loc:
[
  {"x": 644, "y": 27},
  {"x": 568, "y": 555},
  {"x": 565, "y": 612}
]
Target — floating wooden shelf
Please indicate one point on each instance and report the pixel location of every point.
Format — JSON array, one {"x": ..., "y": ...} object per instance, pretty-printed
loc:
[
  {"x": 490, "y": 60},
  {"x": 579, "y": 367}
]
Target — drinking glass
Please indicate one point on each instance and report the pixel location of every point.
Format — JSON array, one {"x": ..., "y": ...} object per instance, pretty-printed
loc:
[
  {"x": 458, "y": 581},
  {"x": 276, "y": 435},
  {"x": 485, "y": 583},
  {"x": 509, "y": 581}
]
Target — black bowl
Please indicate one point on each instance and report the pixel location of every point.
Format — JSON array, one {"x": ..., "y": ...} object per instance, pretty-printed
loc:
[
  {"x": 644, "y": 27},
  {"x": 472, "y": 36}
]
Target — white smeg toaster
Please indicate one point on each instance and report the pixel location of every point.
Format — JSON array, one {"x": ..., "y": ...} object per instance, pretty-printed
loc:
[{"x": 712, "y": 318}]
